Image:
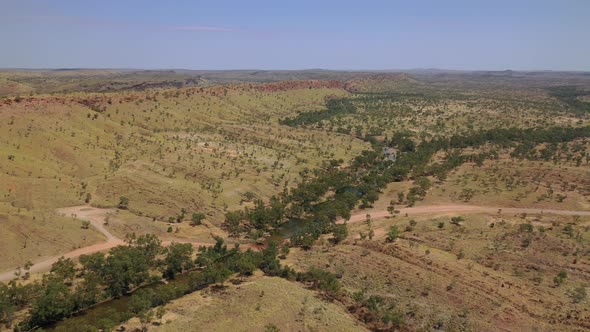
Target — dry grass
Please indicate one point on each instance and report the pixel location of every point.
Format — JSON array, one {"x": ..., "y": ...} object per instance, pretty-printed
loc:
[
  {"x": 517, "y": 183},
  {"x": 253, "y": 305},
  {"x": 478, "y": 276},
  {"x": 203, "y": 149},
  {"x": 35, "y": 235},
  {"x": 197, "y": 149}
]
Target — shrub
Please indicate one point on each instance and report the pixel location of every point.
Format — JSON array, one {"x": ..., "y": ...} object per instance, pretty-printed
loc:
[
  {"x": 526, "y": 227},
  {"x": 569, "y": 230},
  {"x": 457, "y": 220},
  {"x": 340, "y": 233},
  {"x": 393, "y": 234},
  {"x": 123, "y": 203},
  {"x": 560, "y": 278},
  {"x": 197, "y": 219},
  {"x": 578, "y": 294},
  {"x": 322, "y": 280}
]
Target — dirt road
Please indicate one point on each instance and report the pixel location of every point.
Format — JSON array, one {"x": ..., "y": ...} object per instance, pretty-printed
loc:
[
  {"x": 97, "y": 216},
  {"x": 458, "y": 209}
]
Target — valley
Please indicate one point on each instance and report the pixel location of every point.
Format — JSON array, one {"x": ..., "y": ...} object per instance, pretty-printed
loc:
[{"x": 316, "y": 201}]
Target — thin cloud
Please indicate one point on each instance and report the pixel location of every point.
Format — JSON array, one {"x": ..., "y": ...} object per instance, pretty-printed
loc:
[
  {"x": 105, "y": 23},
  {"x": 202, "y": 28}
]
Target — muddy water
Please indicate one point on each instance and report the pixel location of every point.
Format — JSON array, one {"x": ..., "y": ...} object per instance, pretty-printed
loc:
[{"x": 287, "y": 230}]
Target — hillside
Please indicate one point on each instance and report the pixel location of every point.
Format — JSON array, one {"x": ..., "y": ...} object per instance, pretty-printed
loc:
[
  {"x": 262, "y": 302},
  {"x": 196, "y": 149},
  {"x": 291, "y": 201}
]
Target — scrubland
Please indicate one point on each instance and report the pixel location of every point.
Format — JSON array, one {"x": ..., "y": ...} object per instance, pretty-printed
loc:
[{"x": 360, "y": 201}]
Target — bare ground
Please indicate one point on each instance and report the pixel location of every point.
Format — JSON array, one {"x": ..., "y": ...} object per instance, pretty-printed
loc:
[{"x": 96, "y": 217}]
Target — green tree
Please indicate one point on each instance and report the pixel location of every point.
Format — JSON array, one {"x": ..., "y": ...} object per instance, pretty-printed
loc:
[
  {"x": 88, "y": 291},
  {"x": 53, "y": 303},
  {"x": 340, "y": 233},
  {"x": 246, "y": 264},
  {"x": 64, "y": 269},
  {"x": 141, "y": 301},
  {"x": 150, "y": 245},
  {"x": 178, "y": 259},
  {"x": 269, "y": 263},
  {"x": 197, "y": 219},
  {"x": 92, "y": 263},
  {"x": 322, "y": 280},
  {"x": 125, "y": 267},
  {"x": 392, "y": 234},
  {"x": 7, "y": 306},
  {"x": 232, "y": 222}
]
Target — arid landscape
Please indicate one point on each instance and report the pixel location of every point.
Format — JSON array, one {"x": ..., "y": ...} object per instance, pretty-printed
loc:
[
  {"x": 294, "y": 166},
  {"x": 358, "y": 201}
]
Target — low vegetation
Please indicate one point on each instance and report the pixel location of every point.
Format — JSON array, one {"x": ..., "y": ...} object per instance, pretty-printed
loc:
[{"x": 382, "y": 196}]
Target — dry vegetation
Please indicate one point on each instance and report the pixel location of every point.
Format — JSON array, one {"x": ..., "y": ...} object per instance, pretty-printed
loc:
[
  {"x": 164, "y": 145},
  {"x": 486, "y": 273},
  {"x": 195, "y": 149},
  {"x": 517, "y": 183},
  {"x": 261, "y": 303}
]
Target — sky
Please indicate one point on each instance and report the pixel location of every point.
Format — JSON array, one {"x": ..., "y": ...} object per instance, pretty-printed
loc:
[{"x": 302, "y": 34}]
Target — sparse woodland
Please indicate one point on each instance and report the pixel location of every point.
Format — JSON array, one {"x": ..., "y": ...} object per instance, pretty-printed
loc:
[{"x": 286, "y": 169}]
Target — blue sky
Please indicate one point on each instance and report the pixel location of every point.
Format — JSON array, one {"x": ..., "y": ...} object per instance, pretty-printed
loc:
[{"x": 280, "y": 34}]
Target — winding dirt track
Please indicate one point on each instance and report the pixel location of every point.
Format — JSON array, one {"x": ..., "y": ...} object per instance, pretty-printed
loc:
[
  {"x": 97, "y": 216},
  {"x": 434, "y": 209}
]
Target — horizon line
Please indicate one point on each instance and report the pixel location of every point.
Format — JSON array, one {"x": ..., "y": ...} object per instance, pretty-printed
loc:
[{"x": 293, "y": 70}]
